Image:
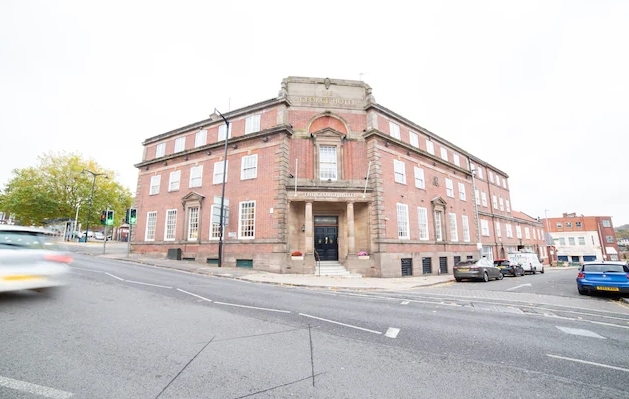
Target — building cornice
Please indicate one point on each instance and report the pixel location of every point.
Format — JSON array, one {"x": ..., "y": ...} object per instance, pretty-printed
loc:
[{"x": 512, "y": 219}]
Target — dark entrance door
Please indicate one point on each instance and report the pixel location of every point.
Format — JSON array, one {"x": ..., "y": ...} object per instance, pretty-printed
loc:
[{"x": 326, "y": 242}]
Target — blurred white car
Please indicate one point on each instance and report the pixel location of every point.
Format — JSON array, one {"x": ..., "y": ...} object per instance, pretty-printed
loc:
[{"x": 29, "y": 260}]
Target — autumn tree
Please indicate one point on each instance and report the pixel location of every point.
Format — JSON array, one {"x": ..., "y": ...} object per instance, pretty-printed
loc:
[{"x": 58, "y": 186}]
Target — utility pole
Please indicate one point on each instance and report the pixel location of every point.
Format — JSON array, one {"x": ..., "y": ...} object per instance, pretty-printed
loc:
[
  {"x": 89, "y": 212},
  {"x": 222, "y": 216}
]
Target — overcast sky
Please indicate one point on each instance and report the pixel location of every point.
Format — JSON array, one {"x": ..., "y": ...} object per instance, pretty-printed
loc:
[{"x": 540, "y": 89}]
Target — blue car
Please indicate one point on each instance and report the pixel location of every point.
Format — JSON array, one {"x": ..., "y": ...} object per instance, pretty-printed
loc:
[{"x": 605, "y": 276}]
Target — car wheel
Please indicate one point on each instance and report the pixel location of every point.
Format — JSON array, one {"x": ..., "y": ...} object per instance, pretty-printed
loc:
[
  {"x": 47, "y": 291},
  {"x": 542, "y": 270},
  {"x": 582, "y": 291},
  {"x": 500, "y": 276},
  {"x": 458, "y": 280},
  {"x": 485, "y": 277}
]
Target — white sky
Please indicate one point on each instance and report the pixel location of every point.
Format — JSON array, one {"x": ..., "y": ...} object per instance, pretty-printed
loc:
[{"x": 539, "y": 89}]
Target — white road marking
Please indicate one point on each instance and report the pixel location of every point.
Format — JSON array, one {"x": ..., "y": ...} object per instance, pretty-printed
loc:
[
  {"x": 34, "y": 389},
  {"x": 116, "y": 277},
  {"x": 195, "y": 295},
  {"x": 340, "y": 324},
  {"x": 404, "y": 303},
  {"x": 152, "y": 285},
  {"x": 252, "y": 307},
  {"x": 87, "y": 270},
  {"x": 578, "y": 331},
  {"x": 519, "y": 286},
  {"x": 392, "y": 332},
  {"x": 607, "y": 366}
]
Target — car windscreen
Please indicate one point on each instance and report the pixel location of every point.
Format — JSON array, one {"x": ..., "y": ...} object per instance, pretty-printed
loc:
[
  {"x": 23, "y": 239},
  {"x": 466, "y": 263},
  {"x": 606, "y": 268},
  {"x": 502, "y": 263}
]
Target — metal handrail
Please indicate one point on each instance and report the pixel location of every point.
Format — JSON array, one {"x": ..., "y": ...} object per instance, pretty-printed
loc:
[{"x": 317, "y": 261}]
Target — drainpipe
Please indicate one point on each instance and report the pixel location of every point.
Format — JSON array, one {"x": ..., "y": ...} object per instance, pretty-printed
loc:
[{"x": 600, "y": 238}]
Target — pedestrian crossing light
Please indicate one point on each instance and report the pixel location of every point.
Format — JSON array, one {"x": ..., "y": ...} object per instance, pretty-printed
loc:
[
  {"x": 133, "y": 215},
  {"x": 110, "y": 218},
  {"x": 103, "y": 217}
]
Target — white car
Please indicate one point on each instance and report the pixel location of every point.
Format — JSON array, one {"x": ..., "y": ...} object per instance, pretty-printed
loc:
[
  {"x": 29, "y": 261},
  {"x": 529, "y": 261}
]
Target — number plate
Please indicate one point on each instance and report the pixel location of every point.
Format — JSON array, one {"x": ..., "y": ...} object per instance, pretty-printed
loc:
[
  {"x": 21, "y": 278},
  {"x": 463, "y": 269},
  {"x": 607, "y": 288}
]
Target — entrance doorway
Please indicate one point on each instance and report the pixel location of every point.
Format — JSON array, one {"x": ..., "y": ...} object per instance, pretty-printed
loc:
[{"x": 326, "y": 232}]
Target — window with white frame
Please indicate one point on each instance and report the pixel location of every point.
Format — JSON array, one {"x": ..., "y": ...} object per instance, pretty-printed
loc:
[
  {"x": 491, "y": 176},
  {"x": 477, "y": 196},
  {"x": 559, "y": 225},
  {"x": 494, "y": 201},
  {"x": 571, "y": 241},
  {"x": 328, "y": 167},
  {"x": 483, "y": 196},
  {"x": 562, "y": 241},
  {"x": 484, "y": 225},
  {"x": 578, "y": 224},
  {"x": 419, "y": 177},
  {"x": 508, "y": 206},
  {"x": 217, "y": 176},
  {"x": 222, "y": 132},
  {"x": 173, "y": 182},
  {"x": 462, "y": 193},
  {"x": 607, "y": 223},
  {"x": 394, "y": 130},
  {"x": 466, "y": 228},
  {"x": 215, "y": 227},
  {"x": 438, "y": 226},
  {"x": 509, "y": 230},
  {"x": 151, "y": 223},
  {"x": 399, "y": 170},
  {"x": 414, "y": 139},
  {"x": 535, "y": 234},
  {"x": 193, "y": 223},
  {"x": 498, "y": 230},
  {"x": 527, "y": 233},
  {"x": 430, "y": 147},
  {"x": 518, "y": 231},
  {"x": 444, "y": 154},
  {"x": 539, "y": 234},
  {"x": 200, "y": 138},
  {"x": 581, "y": 240},
  {"x": 480, "y": 173},
  {"x": 504, "y": 182},
  {"x": 252, "y": 124},
  {"x": 170, "y": 225},
  {"x": 160, "y": 150},
  {"x": 249, "y": 167},
  {"x": 454, "y": 231},
  {"x": 155, "y": 182},
  {"x": 247, "y": 220},
  {"x": 402, "y": 221},
  {"x": 502, "y": 204},
  {"x": 449, "y": 188},
  {"x": 196, "y": 176},
  {"x": 180, "y": 144},
  {"x": 423, "y": 223},
  {"x": 456, "y": 159}
]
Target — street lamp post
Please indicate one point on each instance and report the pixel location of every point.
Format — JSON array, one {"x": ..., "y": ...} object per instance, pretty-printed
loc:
[
  {"x": 220, "y": 234},
  {"x": 479, "y": 245},
  {"x": 89, "y": 211}
]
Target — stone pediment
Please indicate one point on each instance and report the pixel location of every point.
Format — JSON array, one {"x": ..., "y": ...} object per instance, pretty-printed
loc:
[
  {"x": 328, "y": 132},
  {"x": 192, "y": 196},
  {"x": 438, "y": 201}
]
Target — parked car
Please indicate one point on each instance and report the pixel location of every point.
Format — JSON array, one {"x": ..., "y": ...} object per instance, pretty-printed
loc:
[
  {"x": 509, "y": 267},
  {"x": 605, "y": 276},
  {"x": 29, "y": 260},
  {"x": 481, "y": 269},
  {"x": 529, "y": 261}
]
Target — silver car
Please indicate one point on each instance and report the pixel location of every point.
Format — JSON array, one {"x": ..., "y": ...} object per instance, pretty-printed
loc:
[
  {"x": 29, "y": 260},
  {"x": 481, "y": 269}
]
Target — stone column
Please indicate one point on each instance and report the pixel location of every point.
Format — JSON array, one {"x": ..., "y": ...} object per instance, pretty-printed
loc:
[
  {"x": 351, "y": 236},
  {"x": 309, "y": 229}
]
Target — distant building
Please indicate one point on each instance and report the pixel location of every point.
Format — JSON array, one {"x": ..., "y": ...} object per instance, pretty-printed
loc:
[{"x": 580, "y": 238}]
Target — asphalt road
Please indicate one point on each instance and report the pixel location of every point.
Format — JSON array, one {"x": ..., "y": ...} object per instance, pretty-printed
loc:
[{"x": 124, "y": 331}]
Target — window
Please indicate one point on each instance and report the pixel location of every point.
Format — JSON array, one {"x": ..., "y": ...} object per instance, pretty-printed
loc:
[
  {"x": 444, "y": 154},
  {"x": 155, "y": 181},
  {"x": 200, "y": 138},
  {"x": 430, "y": 147},
  {"x": 462, "y": 194},
  {"x": 247, "y": 220},
  {"x": 423, "y": 223},
  {"x": 151, "y": 222},
  {"x": 399, "y": 170},
  {"x": 491, "y": 176},
  {"x": 535, "y": 234},
  {"x": 494, "y": 202},
  {"x": 570, "y": 240},
  {"x": 171, "y": 224},
  {"x": 327, "y": 162},
  {"x": 562, "y": 241},
  {"x": 508, "y": 206},
  {"x": 196, "y": 176},
  {"x": 504, "y": 182},
  {"x": 402, "y": 221},
  {"x": 609, "y": 239},
  {"x": 222, "y": 130},
  {"x": 518, "y": 231},
  {"x": 173, "y": 183},
  {"x": 454, "y": 232},
  {"x": 180, "y": 144},
  {"x": 483, "y": 196},
  {"x": 249, "y": 167},
  {"x": 498, "y": 230},
  {"x": 484, "y": 225},
  {"x": 509, "y": 230},
  {"x": 527, "y": 233},
  {"x": 581, "y": 240},
  {"x": 607, "y": 223},
  {"x": 502, "y": 204},
  {"x": 252, "y": 124},
  {"x": 419, "y": 178},
  {"x": 414, "y": 139},
  {"x": 215, "y": 225},
  {"x": 559, "y": 225},
  {"x": 578, "y": 224},
  {"x": 394, "y": 130},
  {"x": 218, "y": 172},
  {"x": 480, "y": 173},
  {"x": 438, "y": 226},
  {"x": 160, "y": 150},
  {"x": 466, "y": 228},
  {"x": 568, "y": 225},
  {"x": 456, "y": 159},
  {"x": 477, "y": 196},
  {"x": 449, "y": 188},
  {"x": 193, "y": 223}
]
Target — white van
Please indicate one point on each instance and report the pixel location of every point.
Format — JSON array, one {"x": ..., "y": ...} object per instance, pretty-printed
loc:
[{"x": 529, "y": 261}]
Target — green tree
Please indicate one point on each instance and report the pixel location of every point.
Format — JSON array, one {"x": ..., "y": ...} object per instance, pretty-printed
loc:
[{"x": 57, "y": 186}]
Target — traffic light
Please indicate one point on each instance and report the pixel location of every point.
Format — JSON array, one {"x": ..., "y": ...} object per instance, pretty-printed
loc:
[
  {"x": 133, "y": 216},
  {"x": 103, "y": 217},
  {"x": 110, "y": 218},
  {"x": 126, "y": 216}
]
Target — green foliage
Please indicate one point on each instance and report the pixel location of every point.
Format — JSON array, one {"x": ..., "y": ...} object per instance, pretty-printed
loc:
[
  {"x": 57, "y": 186},
  {"x": 622, "y": 231}
]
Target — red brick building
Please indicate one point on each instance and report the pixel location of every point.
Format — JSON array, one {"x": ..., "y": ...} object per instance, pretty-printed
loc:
[{"x": 324, "y": 170}]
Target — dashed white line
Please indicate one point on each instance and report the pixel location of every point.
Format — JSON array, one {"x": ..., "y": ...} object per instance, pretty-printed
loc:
[
  {"x": 404, "y": 303},
  {"x": 392, "y": 332},
  {"x": 519, "y": 286},
  {"x": 34, "y": 389},
  {"x": 194, "y": 295},
  {"x": 339, "y": 323},
  {"x": 149, "y": 284},
  {"x": 581, "y": 332},
  {"x": 252, "y": 307},
  {"x": 87, "y": 270},
  {"x": 116, "y": 277},
  {"x": 607, "y": 366}
]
